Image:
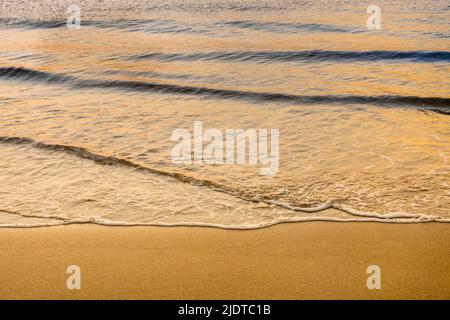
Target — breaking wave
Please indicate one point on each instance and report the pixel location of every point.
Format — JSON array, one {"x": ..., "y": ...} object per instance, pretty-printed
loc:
[{"x": 355, "y": 215}]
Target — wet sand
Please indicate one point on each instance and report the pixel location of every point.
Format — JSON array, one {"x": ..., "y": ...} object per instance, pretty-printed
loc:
[{"x": 311, "y": 260}]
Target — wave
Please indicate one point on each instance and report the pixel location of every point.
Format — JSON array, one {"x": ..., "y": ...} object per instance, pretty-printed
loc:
[
  {"x": 150, "y": 26},
  {"x": 223, "y": 28},
  {"x": 396, "y": 217},
  {"x": 53, "y": 24},
  {"x": 174, "y": 26},
  {"x": 255, "y": 226},
  {"x": 30, "y": 74},
  {"x": 431, "y": 103},
  {"x": 30, "y": 24},
  {"x": 283, "y": 27},
  {"x": 300, "y": 56},
  {"x": 161, "y": 26}
]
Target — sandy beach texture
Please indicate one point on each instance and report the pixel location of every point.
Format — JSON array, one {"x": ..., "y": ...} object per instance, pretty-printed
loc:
[{"x": 292, "y": 261}]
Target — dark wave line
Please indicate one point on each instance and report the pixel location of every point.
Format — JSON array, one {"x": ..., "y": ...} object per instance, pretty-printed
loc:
[
  {"x": 30, "y": 24},
  {"x": 282, "y": 27},
  {"x": 173, "y": 26},
  {"x": 111, "y": 160},
  {"x": 300, "y": 56},
  {"x": 164, "y": 26},
  {"x": 34, "y": 75},
  {"x": 52, "y": 24},
  {"x": 30, "y": 74}
]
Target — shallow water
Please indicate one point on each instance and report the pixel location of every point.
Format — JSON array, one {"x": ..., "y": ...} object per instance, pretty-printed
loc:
[{"x": 87, "y": 115}]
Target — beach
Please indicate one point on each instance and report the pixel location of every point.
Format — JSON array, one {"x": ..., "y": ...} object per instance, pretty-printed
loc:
[{"x": 313, "y": 260}]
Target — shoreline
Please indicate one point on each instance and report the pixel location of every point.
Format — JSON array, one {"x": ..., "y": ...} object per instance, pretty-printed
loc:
[
  {"x": 314, "y": 260},
  {"x": 358, "y": 217},
  {"x": 222, "y": 227}
]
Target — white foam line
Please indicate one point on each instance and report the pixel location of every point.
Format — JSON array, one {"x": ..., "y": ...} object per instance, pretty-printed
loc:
[
  {"x": 391, "y": 215},
  {"x": 36, "y": 225},
  {"x": 353, "y": 212},
  {"x": 35, "y": 216},
  {"x": 319, "y": 207},
  {"x": 104, "y": 222}
]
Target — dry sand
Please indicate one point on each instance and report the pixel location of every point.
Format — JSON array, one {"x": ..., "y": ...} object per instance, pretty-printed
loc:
[{"x": 291, "y": 261}]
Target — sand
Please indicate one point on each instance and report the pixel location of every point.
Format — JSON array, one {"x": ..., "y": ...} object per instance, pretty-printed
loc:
[{"x": 324, "y": 260}]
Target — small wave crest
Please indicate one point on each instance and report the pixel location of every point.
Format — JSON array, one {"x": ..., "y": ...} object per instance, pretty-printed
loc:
[
  {"x": 223, "y": 28},
  {"x": 300, "y": 56},
  {"x": 391, "y": 100},
  {"x": 283, "y": 27},
  {"x": 162, "y": 26},
  {"x": 30, "y": 74}
]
